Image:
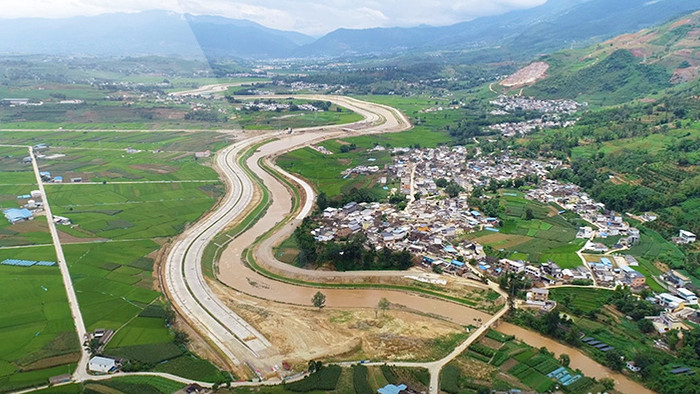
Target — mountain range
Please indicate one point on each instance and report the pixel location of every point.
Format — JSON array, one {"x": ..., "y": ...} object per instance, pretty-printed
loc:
[{"x": 553, "y": 25}]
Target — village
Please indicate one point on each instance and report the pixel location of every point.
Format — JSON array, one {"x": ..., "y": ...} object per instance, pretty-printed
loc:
[
  {"x": 555, "y": 114},
  {"x": 434, "y": 224}
]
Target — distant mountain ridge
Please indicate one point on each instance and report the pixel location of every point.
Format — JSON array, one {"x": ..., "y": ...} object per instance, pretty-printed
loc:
[
  {"x": 551, "y": 26},
  {"x": 147, "y": 33}
]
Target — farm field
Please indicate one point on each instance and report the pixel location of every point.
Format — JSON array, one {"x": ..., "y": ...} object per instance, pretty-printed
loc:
[
  {"x": 113, "y": 281},
  {"x": 168, "y": 141},
  {"x": 122, "y": 225},
  {"x": 269, "y": 120},
  {"x": 135, "y": 384},
  {"x": 38, "y": 336},
  {"x": 17, "y": 179},
  {"x": 585, "y": 300},
  {"x": 498, "y": 362},
  {"x": 324, "y": 171},
  {"x": 118, "y": 211},
  {"x": 548, "y": 236},
  {"x": 109, "y": 164}
]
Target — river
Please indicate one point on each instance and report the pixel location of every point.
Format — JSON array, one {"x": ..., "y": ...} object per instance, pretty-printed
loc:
[{"x": 578, "y": 359}]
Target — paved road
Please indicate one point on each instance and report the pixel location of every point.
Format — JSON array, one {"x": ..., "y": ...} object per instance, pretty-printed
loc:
[{"x": 81, "y": 369}]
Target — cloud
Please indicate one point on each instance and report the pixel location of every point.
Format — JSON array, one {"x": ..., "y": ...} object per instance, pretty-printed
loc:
[{"x": 308, "y": 16}]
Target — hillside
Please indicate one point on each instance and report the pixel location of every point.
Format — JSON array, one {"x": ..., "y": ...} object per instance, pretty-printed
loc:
[{"x": 626, "y": 67}]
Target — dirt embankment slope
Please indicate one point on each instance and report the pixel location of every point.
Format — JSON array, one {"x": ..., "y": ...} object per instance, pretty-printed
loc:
[{"x": 526, "y": 76}]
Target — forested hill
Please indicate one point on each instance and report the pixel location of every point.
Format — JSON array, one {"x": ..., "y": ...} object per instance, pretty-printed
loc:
[{"x": 626, "y": 67}]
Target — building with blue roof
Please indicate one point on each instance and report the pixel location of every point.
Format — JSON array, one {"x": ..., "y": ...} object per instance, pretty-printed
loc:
[
  {"x": 391, "y": 389},
  {"x": 15, "y": 215},
  {"x": 457, "y": 263}
]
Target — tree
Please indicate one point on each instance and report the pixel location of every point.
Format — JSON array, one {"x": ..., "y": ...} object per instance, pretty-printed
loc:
[
  {"x": 453, "y": 189},
  {"x": 608, "y": 384},
  {"x": 93, "y": 346},
  {"x": 528, "y": 214},
  {"x": 645, "y": 326},
  {"x": 672, "y": 339},
  {"x": 181, "y": 337},
  {"x": 319, "y": 300},
  {"x": 383, "y": 305},
  {"x": 564, "y": 359},
  {"x": 614, "y": 360},
  {"x": 322, "y": 201}
]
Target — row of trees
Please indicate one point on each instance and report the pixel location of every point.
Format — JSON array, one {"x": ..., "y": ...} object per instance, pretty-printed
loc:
[{"x": 348, "y": 255}]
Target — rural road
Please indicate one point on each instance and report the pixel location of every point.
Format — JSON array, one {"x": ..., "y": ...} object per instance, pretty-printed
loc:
[{"x": 81, "y": 369}]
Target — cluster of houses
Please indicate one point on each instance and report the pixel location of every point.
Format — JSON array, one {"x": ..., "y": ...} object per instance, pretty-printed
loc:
[
  {"x": 548, "y": 121},
  {"x": 520, "y": 103},
  {"x": 272, "y": 106},
  {"x": 433, "y": 226},
  {"x": 30, "y": 204},
  {"x": 419, "y": 169},
  {"x": 604, "y": 223},
  {"x": 553, "y": 113},
  {"x": 428, "y": 227}
]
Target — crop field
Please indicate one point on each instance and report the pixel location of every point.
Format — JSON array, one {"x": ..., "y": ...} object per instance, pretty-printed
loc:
[
  {"x": 112, "y": 285},
  {"x": 653, "y": 144},
  {"x": 189, "y": 366},
  {"x": 133, "y": 211},
  {"x": 38, "y": 336},
  {"x": 169, "y": 141},
  {"x": 272, "y": 120},
  {"x": 583, "y": 299},
  {"x": 108, "y": 164},
  {"x": 547, "y": 236},
  {"x": 652, "y": 247},
  {"x": 324, "y": 171},
  {"x": 135, "y": 384}
]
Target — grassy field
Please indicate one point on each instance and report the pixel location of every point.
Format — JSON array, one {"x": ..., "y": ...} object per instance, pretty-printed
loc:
[{"x": 38, "y": 336}]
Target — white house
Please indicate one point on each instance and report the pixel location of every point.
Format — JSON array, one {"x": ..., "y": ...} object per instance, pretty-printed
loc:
[
  {"x": 99, "y": 364},
  {"x": 688, "y": 296},
  {"x": 687, "y": 236},
  {"x": 669, "y": 301}
]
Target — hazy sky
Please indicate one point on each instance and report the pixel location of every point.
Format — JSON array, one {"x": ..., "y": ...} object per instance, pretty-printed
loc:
[{"x": 308, "y": 16}]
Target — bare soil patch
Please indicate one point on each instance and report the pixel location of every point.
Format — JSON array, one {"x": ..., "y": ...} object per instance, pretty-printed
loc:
[{"x": 526, "y": 76}]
